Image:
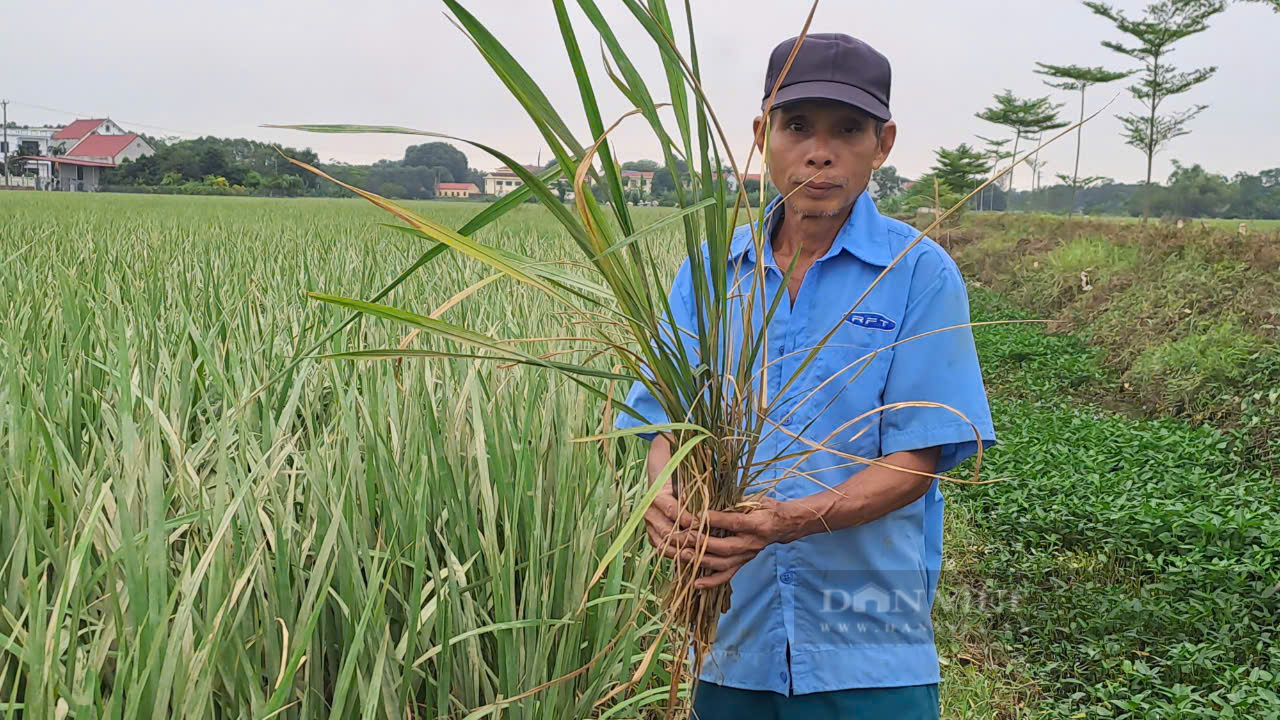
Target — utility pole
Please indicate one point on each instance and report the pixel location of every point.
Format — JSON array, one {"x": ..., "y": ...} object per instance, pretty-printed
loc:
[{"x": 5, "y": 105}]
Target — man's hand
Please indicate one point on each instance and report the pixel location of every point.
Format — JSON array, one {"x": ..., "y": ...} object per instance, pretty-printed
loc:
[
  {"x": 663, "y": 516},
  {"x": 772, "y": 522},
  {"x": 868, "y": 495},
  {"x": 672, "y": 531}
]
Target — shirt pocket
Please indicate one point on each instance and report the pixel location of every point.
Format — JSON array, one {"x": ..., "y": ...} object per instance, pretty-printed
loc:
[{"x": 855, "y": 368}]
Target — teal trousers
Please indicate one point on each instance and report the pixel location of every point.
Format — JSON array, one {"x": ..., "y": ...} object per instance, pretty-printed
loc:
[{"x": 717, "y": 702}]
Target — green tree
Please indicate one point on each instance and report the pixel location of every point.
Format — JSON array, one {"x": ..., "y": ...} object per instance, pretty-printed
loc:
[
  {"x": 1163, "y": 24},
  {"x": 1193, "y": 192},
  {"x": 888, "y": 180},
  {"x": 1078, "y": 78},
  {"x": 291, "y": 185},
  {"x": 1256, "y": 196},
  {"x": 961, "y": 168},
  {"x": 641, "y": 165},
  {"x": 1024, "y": 116},
  {"x": 437, "y": 154},
  {"x": 924, "y": 193},
  {"x": 212, "y": 161},
  {"x": 561, "y": 187},
  {"x": 417, "y": 182},
  {"x": 392, "y": 190},
  {"x": 600, "y": 192},
  {"x": 233, "y": 159},
  {"x": 1084, "y": 183}
]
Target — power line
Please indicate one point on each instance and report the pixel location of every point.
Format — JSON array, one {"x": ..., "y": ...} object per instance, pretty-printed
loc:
[{"x": 121, "y": 121}]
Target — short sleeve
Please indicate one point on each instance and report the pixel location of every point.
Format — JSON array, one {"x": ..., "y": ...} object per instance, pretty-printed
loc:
[
  {"x": 638, "y": 397},
  {"x": 940, "y": 368}
]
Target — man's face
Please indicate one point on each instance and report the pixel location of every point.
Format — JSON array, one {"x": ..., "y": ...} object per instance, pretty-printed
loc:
[{"x": 832, "y": 146}]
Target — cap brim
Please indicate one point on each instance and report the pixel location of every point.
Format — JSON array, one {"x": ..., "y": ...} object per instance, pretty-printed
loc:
[{"x": 828, "y": 90}]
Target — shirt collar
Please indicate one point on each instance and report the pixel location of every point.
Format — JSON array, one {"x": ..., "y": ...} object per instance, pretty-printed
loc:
[{"x": 862, "y": 235}]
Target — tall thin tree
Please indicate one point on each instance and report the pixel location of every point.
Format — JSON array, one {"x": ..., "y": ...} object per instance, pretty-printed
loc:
[
  {"x": 994, "y": 152},
  {"x": 1078, "y": 78},
  {"x": 1025, "y": 116},
  {"x": 1162, "y": 24}
]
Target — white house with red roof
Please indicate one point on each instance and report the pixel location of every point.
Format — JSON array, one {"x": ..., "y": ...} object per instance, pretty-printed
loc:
[
  {"x": 89, "y": 147},
  {"x": 67, "y": 137},
  {"x": 641, "y": 180}
]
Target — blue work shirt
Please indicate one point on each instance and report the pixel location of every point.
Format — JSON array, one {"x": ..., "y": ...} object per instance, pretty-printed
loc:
[{"x": 849, "y": 608}]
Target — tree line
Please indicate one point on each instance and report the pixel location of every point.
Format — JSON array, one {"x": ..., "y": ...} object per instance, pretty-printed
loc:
[
  {"x": 1191, "y": 192},
  {"x": 211, "y": 165}
]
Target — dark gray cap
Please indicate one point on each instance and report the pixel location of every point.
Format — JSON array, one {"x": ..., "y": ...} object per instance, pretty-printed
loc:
[{"x": 831, "y": 66}]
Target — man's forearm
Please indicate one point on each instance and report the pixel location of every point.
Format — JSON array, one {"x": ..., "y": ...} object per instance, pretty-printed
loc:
[{"x": 866, "y": 496}]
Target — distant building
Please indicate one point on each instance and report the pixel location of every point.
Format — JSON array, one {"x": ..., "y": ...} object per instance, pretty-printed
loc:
[
  {"x": 89, "y": 147},
  {"x": 68, "y": 136},
  {"x": 30, "y": 142},
  {"x": 641, "y": 180},
  {"x": 110, "y": 148},
  {"x": 456, "y": 190},
  {"x": 731, "y": 180},
  {"x": 504, "y": 180}
]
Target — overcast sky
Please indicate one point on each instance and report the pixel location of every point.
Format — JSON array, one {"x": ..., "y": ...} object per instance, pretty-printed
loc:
[{"x": 166, "y": 68}]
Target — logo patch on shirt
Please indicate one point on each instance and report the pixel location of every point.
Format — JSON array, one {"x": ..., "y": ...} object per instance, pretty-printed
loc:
[{"x": 870, "y": 320}]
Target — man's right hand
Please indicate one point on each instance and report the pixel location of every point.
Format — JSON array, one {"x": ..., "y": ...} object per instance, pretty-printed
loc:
[
  {"x": 660, "y": 519},
  {"x": 672, "y": 531}
]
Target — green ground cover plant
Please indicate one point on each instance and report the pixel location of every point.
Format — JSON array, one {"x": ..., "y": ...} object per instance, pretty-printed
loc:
[{"x": 1127, "y": 567}]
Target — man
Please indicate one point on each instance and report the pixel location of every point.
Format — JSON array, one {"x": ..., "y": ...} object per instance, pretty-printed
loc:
[{"x": 834, "y": 576}]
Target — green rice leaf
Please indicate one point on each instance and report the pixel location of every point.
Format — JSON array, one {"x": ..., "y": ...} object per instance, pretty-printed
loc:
[{"x": 637, "y": 513}]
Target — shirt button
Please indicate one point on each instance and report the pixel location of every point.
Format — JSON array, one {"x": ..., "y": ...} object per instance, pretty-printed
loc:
[
  {"x": 787, "y": 577},
  {"x": 782, "y": 676}
]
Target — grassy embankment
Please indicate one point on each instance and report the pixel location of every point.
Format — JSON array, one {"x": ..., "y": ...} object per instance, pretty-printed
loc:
[{"x": 1130, "y": 566}]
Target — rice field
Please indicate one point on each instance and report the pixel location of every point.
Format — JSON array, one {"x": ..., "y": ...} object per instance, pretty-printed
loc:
[
  {"x": 206, "y": 539},
  {"x": 190, "y": 528}
]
